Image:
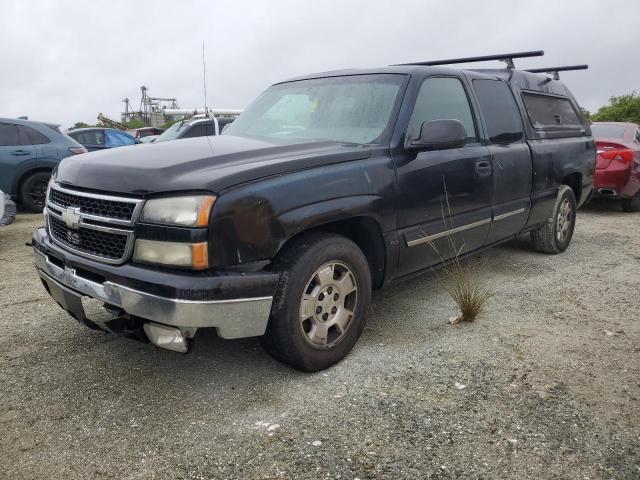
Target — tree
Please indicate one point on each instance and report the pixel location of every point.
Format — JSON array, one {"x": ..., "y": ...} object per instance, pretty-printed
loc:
[
  {"x": 80, "y": 125},
  {"x": 625, "y": 108},
  {"x": 135, "y": 123},
  {"x": 586, "y": 113}
]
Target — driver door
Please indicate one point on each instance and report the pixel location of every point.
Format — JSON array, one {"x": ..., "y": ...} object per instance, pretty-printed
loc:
[{"x": 444, "y": 197}]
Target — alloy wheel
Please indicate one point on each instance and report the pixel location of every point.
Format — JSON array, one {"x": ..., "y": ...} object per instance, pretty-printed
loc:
[
  {"x": 328, "y": 304},
  {"x": 565, "y": 220}
]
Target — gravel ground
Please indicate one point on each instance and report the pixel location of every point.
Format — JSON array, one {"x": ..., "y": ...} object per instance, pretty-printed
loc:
[{"x": 544, "y": 385}]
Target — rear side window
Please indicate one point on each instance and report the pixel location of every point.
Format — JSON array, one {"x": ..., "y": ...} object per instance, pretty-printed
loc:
[
  {"x": 9, "y": 135},
  {"x": 500, "y": 111},
  {"x": 549, "y": 112},
  {"x": 442, "y": 98},
  {"x": 31, "y": 136},
  {"x": 91, "y": 137},
  {"x": 638, "y": 135}
]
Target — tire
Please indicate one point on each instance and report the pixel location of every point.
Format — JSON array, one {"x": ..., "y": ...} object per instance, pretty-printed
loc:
[
  {"x": 555, "y": 235},
  {"x": 33, "y": 191},
  {"x": 9, "y": 212},
  {"x": 318, "y": 272},
  {"x": 632, "y": 204}
]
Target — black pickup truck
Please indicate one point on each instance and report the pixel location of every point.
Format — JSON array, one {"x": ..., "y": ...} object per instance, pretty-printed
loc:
[{"x": 327, "y": 187}]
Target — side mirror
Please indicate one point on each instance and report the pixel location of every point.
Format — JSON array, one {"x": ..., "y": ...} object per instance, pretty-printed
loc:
[{"x": 439, "y": 135}]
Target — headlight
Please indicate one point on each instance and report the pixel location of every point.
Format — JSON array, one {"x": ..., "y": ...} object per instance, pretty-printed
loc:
[
  {"x": 190, "y": 255},
  {"x": 190, "y": 211},
  {"x": 49, "y": 185}
]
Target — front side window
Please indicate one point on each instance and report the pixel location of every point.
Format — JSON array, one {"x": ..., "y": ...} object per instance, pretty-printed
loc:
[
  {"x": 9, "y": 135},
  {"x": 499, "y": 110},
  {"x": 203, "y": 129},
  {"x": 352, "y": 109},
  {"x": 550, "y": 112},
  {"x": 442, "y": 98}
]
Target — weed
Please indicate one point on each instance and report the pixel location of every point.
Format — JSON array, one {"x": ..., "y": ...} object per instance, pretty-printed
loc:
[{"x": 463, "y": 283}]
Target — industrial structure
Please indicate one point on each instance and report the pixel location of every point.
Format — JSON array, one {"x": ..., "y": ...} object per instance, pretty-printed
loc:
[
  {"x": 150, "y": 110},
  {"x": 157, "y": 111}
]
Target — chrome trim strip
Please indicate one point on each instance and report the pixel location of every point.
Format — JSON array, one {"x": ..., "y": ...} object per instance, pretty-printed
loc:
[
  {"x": 445, "y": 233},
  {"x": 234, "y": 318},
  {"x": 91, "y": 226},
  {"x": 128, "y": 248},
  {"x": 139, "y": 203},
  {"x": 115, "y": 221},
  {"x": 509, "y": 214}
]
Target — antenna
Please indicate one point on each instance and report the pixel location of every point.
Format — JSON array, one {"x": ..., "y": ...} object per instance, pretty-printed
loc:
[
  {"x": 204, "y": 82},
  {"x": 504, "y": 57},
  {"x": 554, "y": 70}
]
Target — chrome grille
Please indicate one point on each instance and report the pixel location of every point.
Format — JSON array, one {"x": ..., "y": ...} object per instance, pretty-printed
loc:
[
  {"x": 112, "y": 246},
  {"x": 94, "y": 205},
  {"x": 92, "y": 225}
]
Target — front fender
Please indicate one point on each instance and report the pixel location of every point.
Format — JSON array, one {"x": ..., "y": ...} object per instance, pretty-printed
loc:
[{"x": 252, "y": 223}]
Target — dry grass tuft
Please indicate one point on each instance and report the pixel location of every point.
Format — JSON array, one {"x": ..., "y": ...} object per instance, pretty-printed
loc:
[
  {"x": 466, "y": 290},
  {"x": 463, "y": 284}
]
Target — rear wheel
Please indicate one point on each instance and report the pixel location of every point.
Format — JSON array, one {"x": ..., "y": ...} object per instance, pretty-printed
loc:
[
  {"x": 33, "y": 191},
  {"x": 631, "y": 204},
  {"x": 555, "y": 235},
  {"x": 320, "y": 305}
]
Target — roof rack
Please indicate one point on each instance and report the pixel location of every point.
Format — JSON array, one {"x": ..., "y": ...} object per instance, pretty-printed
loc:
[
  {"x": 505, "y": 57},
  {"x": 555, "y": 70}
]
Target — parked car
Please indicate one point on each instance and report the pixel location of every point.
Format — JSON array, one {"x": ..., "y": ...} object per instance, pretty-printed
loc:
[
  {"x": 97, "y": 138},
  {"x": 148, "y": 139},
  {"x": 29, "y": 151},
  {"x": 7, "y": 210},
  {"x": 198, "y": 126},
  {"x": 327, "y": 187},
  {"x": 618, "y": 162},
  {"x": 140, "y": 133}
]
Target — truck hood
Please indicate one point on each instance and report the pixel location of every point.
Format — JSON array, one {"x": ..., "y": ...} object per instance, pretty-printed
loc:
[{"x": 204, "y": 163}]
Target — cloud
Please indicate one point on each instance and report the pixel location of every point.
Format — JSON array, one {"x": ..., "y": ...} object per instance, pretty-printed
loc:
[{"x": 65, "y": 61}]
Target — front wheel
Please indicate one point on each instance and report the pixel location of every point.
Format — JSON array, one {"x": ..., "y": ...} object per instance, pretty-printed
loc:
[
  {"x": 555, "y": 235},
  {"x": 631, "y": 204},
  {"x": 321, "y": 302},
  {"x": 33, "y": 191}
]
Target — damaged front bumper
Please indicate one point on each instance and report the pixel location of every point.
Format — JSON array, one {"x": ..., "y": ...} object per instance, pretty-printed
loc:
[{"x": 235, "y": 304}]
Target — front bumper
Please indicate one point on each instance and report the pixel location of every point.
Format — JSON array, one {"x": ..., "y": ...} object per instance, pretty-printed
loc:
[{"x": 206, "y": 304}]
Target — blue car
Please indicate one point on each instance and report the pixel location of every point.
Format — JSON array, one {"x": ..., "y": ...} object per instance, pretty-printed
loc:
[
  {"x": 96, "y": 138},
  {"x": 29, "y": 151}
]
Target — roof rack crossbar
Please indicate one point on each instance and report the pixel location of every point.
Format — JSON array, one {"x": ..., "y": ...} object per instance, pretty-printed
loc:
[
  {"x": 505, "y": 57},
  {"x": 555, "y": 70}
]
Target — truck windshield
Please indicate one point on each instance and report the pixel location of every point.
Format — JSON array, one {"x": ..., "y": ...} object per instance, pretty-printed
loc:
[
  {"x": 172, "y": 132},
  {"x": 353, "y": 109}
]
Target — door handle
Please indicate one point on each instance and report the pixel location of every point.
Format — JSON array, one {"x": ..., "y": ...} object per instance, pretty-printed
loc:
[
  {"x": 483, "y": 168},
  {"x": 19, "y": 152}
]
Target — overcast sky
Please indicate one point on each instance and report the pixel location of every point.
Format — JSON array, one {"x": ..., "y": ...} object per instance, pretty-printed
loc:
[{"x": 65, "y": 61}]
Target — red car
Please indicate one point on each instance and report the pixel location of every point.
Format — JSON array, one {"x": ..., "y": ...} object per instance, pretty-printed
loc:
[{"x": 618, "y": 162}]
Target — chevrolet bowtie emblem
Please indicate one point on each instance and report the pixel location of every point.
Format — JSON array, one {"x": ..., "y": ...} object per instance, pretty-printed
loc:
[{"x": 71, "y": 216}]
